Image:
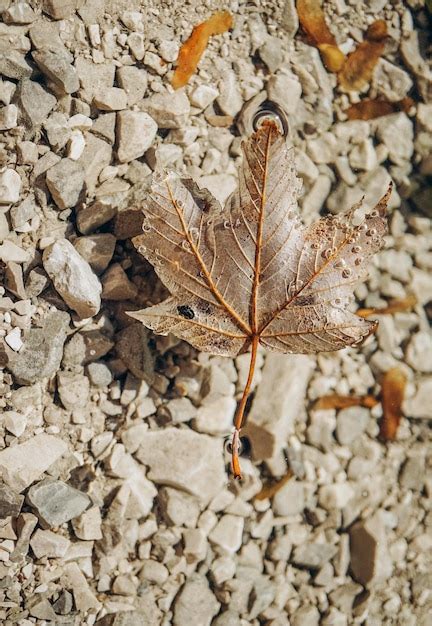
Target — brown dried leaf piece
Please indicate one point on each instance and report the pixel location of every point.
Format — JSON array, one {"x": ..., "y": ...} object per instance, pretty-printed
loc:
[
  {"x": 392, "y": 395},
  {"x": 312, "y": 20},
  {"x": 371, "y": 109},
  {"x": 270, "y": 489},
  {"x": 251, "y": 273},
  {"x": 334, "y": 401},
  {"x": 394, "y": 306},
  {"x": 192, "y": 50},
  {"x": 360, "y": 64}
]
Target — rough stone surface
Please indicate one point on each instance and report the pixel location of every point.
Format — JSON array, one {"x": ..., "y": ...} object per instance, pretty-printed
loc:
[
  {"x": 73, "y": 278},
  {"x": 24, "y": 463},
  {"x": 55, "y": 502},
  {"x": 195, "y": 462},
  {"x": 195, "y": 603},
  {"x": 65, "y": 181},
  {"x": 135, "y": 133}
]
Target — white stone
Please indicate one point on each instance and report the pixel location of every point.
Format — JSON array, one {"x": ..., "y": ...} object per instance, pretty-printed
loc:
[
  {"x": 216, "y": 418},
  {"x": 222, "y": 569},
  {"x": 335, "y": 496},
  {"x": 184, "y": 459},
  {"x": 227, "y": 535},
  {"x": 80, "y": 121},
  {"x": 230, "y": 99},
  {"x": 76, "y": 145},
  {"x": 169, "y": 50},
  {"x": 391, "y": 81},
  {"x": 10, "y": 186},
  {"x": 289, "y": 500},
  {"x": 73, "y": 578},
  {"x": 24, "y": 463},
  {"x": 284, "y": 89},
  {"x": 419, "y": 352},
  {"x": 135, "y": 133},
  {"x": 73, "y": 278},
  {"x": 221, "y": 186},
  {"x": 88, "y": 525},
  {"x": 420, "y": 405},
  {"x": 46, "y": 543},
  {"x": 202, "y": 96},
  {"x": 8, "y": 117},
  {"x": 363, "y": 156},
  {"x": 111, "y": 99},
  {"x": 14, "y": 422},
  {"x": 351, "y": 423},
  {"x": 396, "y": 131},
  {"x": 323, "y": 149},
  {"x": 13, "y": 339}
]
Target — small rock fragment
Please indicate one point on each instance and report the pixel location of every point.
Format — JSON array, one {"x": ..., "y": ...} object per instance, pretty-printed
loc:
[
  {"x": 227, "y": 535},
  {"x": 74, "y": 579},
  {"x": 49, "y": 544},
  {"x": 116, "y": 285},
  {"x": 97, "y": 250},
  {"x": 10, "y": 186},
  {"x": 34, "y": 102},
  {"x": 290, "y": 500},
  {"x": 335, "y": 496},
  {"x": 111, "y": 99},
  {"x": 57, "y": 66},
  {"x": 73, "y": 278},
  {"x": 351, "y": 423},
  {"x": 10, "y": 502},
  {"x": 185, "y": 460},
  {"x": 8, "y": 117},
  {"x": 24, "y": 463},
  {"x": 132, "y": 348},
  {"x": 168, "y": 110},
  {"x": 195, "y": 603},
  {"x": 15, "y": 422},
  {"x": 313, "y": 555},
  {"x": 65, "y": 180},
  {"x": 370, "y": 560},
  {"x": 59, "y": 9},
  {"x": 73, "y": 389},
  {"x": 134, "y": 81},
  {"x": 88, "y": 525},
  {"x": 56, "y": 502},
  {"x": 135, "y": 133}
]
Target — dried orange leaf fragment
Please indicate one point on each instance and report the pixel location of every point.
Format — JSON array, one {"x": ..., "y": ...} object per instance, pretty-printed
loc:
[
  {"x": 392, "y": 396},
  {"x": 332, "y": 57},
  {"x": 360, "y": 64},
  {"x": 394, "y": 306},
  {"x": 334, "y": 401},
  {"x": 371, "y": 109},
  {"x": 313, "y": 22},
  {"x": 270, "y": 489},
  {"x": 192, "y": 50}
]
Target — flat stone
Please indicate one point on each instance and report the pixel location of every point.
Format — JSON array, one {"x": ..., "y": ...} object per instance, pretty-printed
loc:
[
  {"x": 58, "y": 68},
  {"x": 363, "y": 156},
  {"x": 111, "y": 99},
  {"x": 351, "y": 423},
  {"x": 220, "y": 186},
  {"x": 420, "y": 406},
  {"x": 72, "y": 278},
  {"x": 43, "y": 350},
  {"x": 14, "y": 65},
  {"x": 272, "y": 53},
  {"x": 284, "y": 89},
  {"x": 88, "y": 525},
  {"x": 396, "y": 131},
  {"x": 335, "y": 496},
  {"x": 49, "y": 544},
  {"x": 134, "y": 81},
  {"x": 65, "y": 180},
  {"x": 306, "y": 616},
  {"x": 278, "y": 400},
  {"x": 56, "y": 502},
  {"x": 419, "y": 352},
  {"x": 202, "y": 96},
  {"x": 35, "y": 103},
  {"x": 94, "y": 215},
  {"x": 195, "y": 603},
  {"x": 132, "y": 348},
  {"x": 97, "y": 250},
  {"x": 14, "y": 422},
  {"x": 391, "y": 81},
  {"x": 24, "y": 463},
  {"x": 180, "y": 410},
  {"x": 8, "y": 117},
  {"x": 216, "y": 418},
  {"x": 227, "y": 535},
  {"x": 153, "y": 572},
  {"x": 290, "y": 500},
  {"x": 94, "y": 77},
  {"x": 10, "y": 186},
  {"x": 74, "y": 579},
  {"x": 116, "y": 285},
  {"x": 135, "y": 133},
  {"x": 73, "y": 389},
  {"x": 168, "y": 110},
  {"x": 59, "y": 9},
  {"x": 313, "y": 555},
  {"x": 185, "y": 460},
  {"x": 10, "y": 502},
  {"x": 100, "y": 374},
  {"x": 178, "y": 507},
  {"x": 370, "y": 560},
  {"x": 11, "y": 253},
  {"x": 230, "y": 99}
]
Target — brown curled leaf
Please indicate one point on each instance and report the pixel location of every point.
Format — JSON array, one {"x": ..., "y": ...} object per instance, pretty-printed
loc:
[
  {"x": 394, "y": 306},
  {"x": 334, "y": 401},
  {"x": 250, "y": 273},
  {"x": 333, "y": 58},
  {"x": 360, "y": 64},
  {"x": 371, "y": 109},
  {"x": 392, "y": 395},
  {"x": 312, "y": 20},
  {"x": 270, "y": 489},
  {"x": 192, "y": 50}
]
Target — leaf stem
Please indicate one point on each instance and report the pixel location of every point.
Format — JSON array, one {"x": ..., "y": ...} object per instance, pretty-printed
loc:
[{"x": 239, "y": 417}]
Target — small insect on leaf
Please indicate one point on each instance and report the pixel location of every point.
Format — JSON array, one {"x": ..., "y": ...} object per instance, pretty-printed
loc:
[
  {"x": 192, "y": 50},
  {"x": 250, "y": 274},
  {"x": 360, "y": 64},
  {"x": 371, "y": 109},
  {"x": 392, "y": 395},
  {"x": 334, "y": 401}
]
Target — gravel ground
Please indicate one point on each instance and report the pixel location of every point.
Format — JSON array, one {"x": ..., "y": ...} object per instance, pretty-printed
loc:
[{"x": 116, "y": 505}]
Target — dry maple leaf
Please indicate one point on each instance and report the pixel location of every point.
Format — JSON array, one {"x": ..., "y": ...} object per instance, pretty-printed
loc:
[{"x": 251, "y": 273}]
